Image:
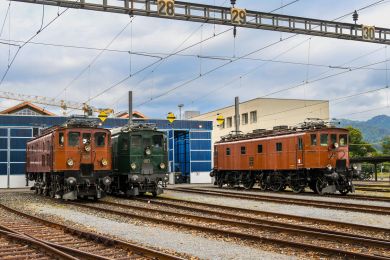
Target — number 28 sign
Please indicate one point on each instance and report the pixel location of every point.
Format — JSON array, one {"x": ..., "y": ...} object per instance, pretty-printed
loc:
[{"x": 166, "y": 7}]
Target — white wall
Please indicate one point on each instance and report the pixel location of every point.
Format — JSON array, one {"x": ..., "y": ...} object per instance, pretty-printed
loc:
[
  {"x": 16, "y": 181},
  {"x": 200, "y": 177}
]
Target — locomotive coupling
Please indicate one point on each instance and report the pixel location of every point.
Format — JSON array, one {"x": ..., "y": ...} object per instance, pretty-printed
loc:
[{"x": 71, "y": 181}]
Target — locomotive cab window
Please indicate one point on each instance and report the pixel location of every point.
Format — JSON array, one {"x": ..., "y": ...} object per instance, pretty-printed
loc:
[
  {"x": 279, "y": 147},
  {"x": 73, "y": 138},
  {"x": 333, "y": 138},
  {"x": 343, "y": 140},
  {"x": 100, "y": 139},
  {"x": 259, "y": 148},
  {"x": 136, "y": 141},
  {"x": 300, "y": 143},
  {"x": 125, "y": 143},
  {"x": 324, "y": 139},
  {"x": 313, "y": 138},
  {"x": 227, "y": 151},
  {"x": 157, "y": 141},
  {"x": 243, "y": 150},
  {"x": 61, "y": 139}
]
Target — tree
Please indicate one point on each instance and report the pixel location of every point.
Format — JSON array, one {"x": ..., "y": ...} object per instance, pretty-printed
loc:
[
  {"x": 357, "y": 146},
  {"x": 386, "y": 145}
]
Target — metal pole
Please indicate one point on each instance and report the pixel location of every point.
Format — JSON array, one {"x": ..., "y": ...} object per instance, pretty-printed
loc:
[
  {"x": 130, "y": 107},
  {"x": 180, "y": 106},
  {"x": 237, "y": 114},
  {"x": 376, "y": 171}
]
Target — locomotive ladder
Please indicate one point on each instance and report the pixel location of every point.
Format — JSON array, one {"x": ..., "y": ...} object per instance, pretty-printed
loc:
[{"x": 236, "y": 17}]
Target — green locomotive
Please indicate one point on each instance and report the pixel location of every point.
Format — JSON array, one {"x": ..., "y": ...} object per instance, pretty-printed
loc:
[{"x": 140, "y": 160}]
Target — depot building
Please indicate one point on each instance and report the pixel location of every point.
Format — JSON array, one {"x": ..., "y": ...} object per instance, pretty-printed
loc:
[{"x": 189, "y": 142}]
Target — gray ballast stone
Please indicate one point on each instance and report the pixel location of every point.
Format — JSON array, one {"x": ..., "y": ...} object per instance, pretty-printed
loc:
[{"x": 164, "y": 238}]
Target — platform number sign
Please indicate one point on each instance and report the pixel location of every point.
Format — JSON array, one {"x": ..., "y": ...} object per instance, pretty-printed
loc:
[
  {"x": 238, "y": 16},
  {"x": 368, "y": 32},
  {"x": 166, "y": 7}
]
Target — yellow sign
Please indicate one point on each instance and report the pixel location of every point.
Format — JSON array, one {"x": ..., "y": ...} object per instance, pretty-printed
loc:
[
  {"x": 102, "y": 116},
  {"x": 171, "y": 117},
  {"x": 368, "y": 32},
  {"x": 166, "y": 7},
  {"x": 220, "y": 120},
  {"x": 238, "y": 16}
]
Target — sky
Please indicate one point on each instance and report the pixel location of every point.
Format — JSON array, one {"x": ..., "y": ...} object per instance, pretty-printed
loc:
[{"x": 305, "y": 65}]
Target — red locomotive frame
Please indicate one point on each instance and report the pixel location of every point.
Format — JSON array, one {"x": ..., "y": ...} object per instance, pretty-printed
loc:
[
  {"x": 70, "y": 161},
  {"x": 314, "y": 155}
]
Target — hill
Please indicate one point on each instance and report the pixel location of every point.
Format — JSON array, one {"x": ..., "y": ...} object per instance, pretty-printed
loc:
[{"x": 373, "y": 129}]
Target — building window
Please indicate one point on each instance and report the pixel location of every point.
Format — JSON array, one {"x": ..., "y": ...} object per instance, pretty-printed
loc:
[
  {"x": 245, "y": 118},
  {"x": 259, "y": 148},
  {"x": 26, "y": 112},
  {"x": 229, "y": 122},
  {"x": 279, "y": 147},
  {"x": 227, "y": 151},
  {"x": 324, "y": 139},
  {"x": 253, "y": 117},
  {"x": 243, "y": 150},
  {"x": 313, "y": 138}
]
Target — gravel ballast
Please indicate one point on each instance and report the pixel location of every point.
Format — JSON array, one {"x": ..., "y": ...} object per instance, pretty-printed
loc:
[
  {"x": 158, "y": 237},
  {"x": 322, "y": 213}
]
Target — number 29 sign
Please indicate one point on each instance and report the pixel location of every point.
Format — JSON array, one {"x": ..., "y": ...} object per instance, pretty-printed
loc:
[{"x": 238, "y": 16}]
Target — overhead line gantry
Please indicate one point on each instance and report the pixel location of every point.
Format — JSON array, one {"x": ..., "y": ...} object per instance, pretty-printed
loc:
[{"x": 234, "y": 16}]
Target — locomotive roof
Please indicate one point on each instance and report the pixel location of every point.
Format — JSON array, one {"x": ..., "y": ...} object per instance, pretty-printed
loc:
[
  {"x": 134, "y": 128},
  {"x": 277, "y": 131}
]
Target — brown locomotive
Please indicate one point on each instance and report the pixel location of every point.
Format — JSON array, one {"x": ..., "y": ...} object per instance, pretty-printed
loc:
[
  {"x": 70, "y": 161},
  {"x": 313, "y": 155}
]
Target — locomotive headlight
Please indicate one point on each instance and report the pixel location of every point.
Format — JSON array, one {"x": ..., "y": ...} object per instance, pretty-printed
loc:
[
  {"x": 87, "y": 148},
  {"x": 148, "y": 151},
  {"x": 107, "y": 180},
  {"x": 70, "y": 162},
  {"x": 104, "y": 162},
  {"x": 133, "y": 166},
  {"x": 134, "y": 177},
  {"x": 354, "y": 166},
  {"x": 71, "y": 181},
  {"x": 162, "y": 166},
  {"x": 336, "y": 145},
  {"x": 329, "y": 167}
]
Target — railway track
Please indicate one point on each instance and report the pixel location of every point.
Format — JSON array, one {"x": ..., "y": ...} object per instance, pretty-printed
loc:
[
  {"x": 373, "y": 189},
  {"x": 252, "y": 229},
  {"x": 288, "y": 200},
  {"x": 71, "y": 243},
  {"x": 307, "y": 194},
  {"x": 14, "y": 246}
]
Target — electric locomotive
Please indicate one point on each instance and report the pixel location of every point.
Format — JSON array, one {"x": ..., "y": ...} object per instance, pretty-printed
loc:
[
  {"x": 70, "y": 161},
  {"x": 312, "y": 155},
  {"x": 140, "y": 160}
]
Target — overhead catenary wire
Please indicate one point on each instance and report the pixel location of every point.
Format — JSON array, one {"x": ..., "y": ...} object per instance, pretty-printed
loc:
[
  {"x": 5, "y": 18},
  {"x": 86, "y": 68},
  {"x": 225, "y": 64},
  {"x": 24, "y": 44},
  {"x": 253, "y": 70},
  {"x": 214, "y": 35}
]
